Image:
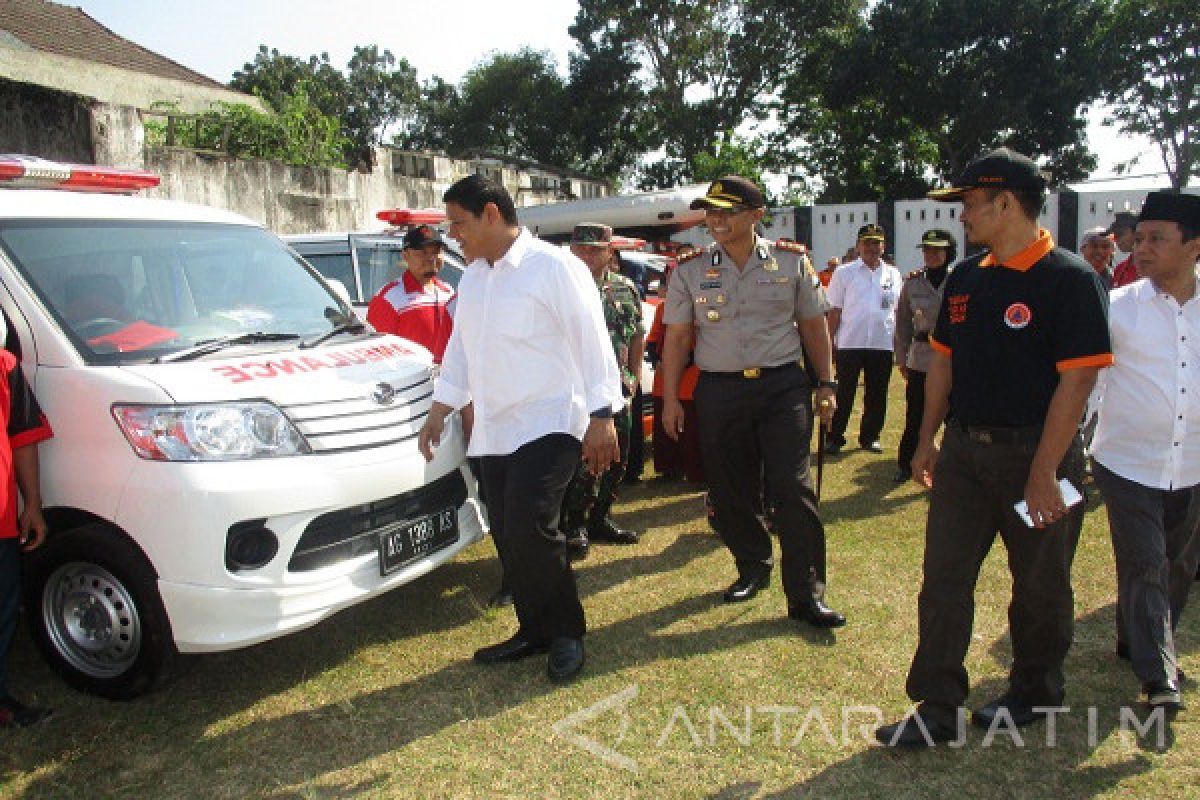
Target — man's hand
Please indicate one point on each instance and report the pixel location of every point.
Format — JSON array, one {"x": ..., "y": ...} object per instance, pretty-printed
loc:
[
  {"x": 600, "y": 448},
  {"x": 32, "y": 527},
  {"x": 672, "y": 417},
  {"x": 1044, "y": 499},
  {"x": 826, "y": 406},
  {"x": 431, "y": 432},
  {"x": 923, "y": 462}
]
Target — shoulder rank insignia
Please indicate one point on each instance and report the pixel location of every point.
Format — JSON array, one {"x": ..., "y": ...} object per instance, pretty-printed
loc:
[
  {"x": 790, "y": 246},
  {"x": 690, "y": 255}
]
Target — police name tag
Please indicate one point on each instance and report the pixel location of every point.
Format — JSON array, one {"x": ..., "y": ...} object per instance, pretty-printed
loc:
[
  {"x": 710, "y": 284},
  {"x": 779, "y": 280}
]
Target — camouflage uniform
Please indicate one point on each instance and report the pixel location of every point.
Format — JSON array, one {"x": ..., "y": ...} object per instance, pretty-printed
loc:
[{"x": 623, "y": 315}]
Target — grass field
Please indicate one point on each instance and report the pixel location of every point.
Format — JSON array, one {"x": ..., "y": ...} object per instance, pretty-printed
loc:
[{"x": 683, "y": 696}]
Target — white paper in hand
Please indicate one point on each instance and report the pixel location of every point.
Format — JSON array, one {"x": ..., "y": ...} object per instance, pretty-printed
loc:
[{"x": 1070, "y": 494}]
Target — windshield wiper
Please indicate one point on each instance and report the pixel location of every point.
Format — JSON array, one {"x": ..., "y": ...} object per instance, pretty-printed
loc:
[
  {"x": 213, "y": 345},
  {"x": 346, "y": 327}
]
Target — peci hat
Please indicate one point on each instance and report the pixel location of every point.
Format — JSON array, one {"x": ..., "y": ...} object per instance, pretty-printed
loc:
[
  {"x": 592, "y": 234},
  {"x": 872, "y": 231},
  {"x": 418, "y": 237},
  {"x": 1122, "y": 221},
  {"x": 1000, "y": 169},
  {"x": 936, "y": 237},
  {"x": 731, "y": 192},
  {"x": 1183, "y": 209}
]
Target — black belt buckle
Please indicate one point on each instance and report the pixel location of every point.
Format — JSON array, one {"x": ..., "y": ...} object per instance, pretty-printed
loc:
[{"x": 753, "y": 373}]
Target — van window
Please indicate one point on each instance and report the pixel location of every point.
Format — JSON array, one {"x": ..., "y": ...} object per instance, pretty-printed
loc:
[
  {"x": 335, "y": 266},
  {"x": 125, "y": 292}
]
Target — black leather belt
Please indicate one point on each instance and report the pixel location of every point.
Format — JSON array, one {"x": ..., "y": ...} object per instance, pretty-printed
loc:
[
  {"x": 753, "y": 373},
  {"x": 997, "y": 434},
  {"x": 923, "y": 336}
]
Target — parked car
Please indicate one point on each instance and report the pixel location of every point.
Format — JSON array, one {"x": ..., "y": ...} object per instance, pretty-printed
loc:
[{"x": 234, "y": 455}]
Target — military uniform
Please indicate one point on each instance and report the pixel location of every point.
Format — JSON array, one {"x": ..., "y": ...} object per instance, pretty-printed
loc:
[
  {"x": 754, "y": 404},
  {"x": 916, "y": 314},
  {"x": 588, "y": 497}
]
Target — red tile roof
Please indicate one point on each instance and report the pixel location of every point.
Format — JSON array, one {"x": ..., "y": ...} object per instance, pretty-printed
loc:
[{"x": 68, "y": 31}]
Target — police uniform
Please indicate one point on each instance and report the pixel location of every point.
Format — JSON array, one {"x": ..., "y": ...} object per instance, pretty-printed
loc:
[
  {"x": 754, "y": 406},
  {"x": 916, "y": 313},
  {"x": 589, "y": 498},
  {"x": 1009, "y": 329}
]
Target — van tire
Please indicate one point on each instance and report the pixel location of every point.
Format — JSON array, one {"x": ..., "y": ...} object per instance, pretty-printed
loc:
[{"x": 96, "y": 615}]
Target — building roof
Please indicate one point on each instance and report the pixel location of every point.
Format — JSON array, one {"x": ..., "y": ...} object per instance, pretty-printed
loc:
[{"x": 68, "y": 31}]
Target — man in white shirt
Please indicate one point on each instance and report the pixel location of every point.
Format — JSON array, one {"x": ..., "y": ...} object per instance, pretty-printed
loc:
[
  {"x": 1147, "y": 444},
  {"x": 531, "y": 351},
  {"x": 862, "y": 322}
]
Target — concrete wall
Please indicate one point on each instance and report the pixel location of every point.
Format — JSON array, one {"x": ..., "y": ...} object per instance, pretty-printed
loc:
[
  {"x": 112, "y": 85},
  {"x": 44, "y": 122}
]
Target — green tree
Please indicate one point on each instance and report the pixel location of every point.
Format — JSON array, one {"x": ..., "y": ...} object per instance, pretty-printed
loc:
[
  {"x": 710, "y": 69},
  {"x": 1156, "y": 79},
  {"x": 375, "y": 92},
  {"x": 946, "y": 80}
]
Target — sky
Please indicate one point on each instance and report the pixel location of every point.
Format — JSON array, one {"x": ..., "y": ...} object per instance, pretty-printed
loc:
[{"x": 216, "y": 37}]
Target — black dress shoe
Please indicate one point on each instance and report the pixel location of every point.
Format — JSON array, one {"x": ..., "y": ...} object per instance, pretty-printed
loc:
[
  {"x": 744, "y": 588},
  {"x": 902, "y": 475},
  {"x": 566, "y": 658},
  {"x": 513, "y": 649},
  {"x": 603, "y": 530},
  {"x": 503, "y": 597},
  {"x": 874, "y": 447},
  {"x": 1163, "y": 694},
  {"x": 577, "y": 544},
  {"x": 1020, "y": 711},
  {"x": 834, "y": 446},
  {"x": 908, "y": 733},
  {"x": 817, "y": 614}
]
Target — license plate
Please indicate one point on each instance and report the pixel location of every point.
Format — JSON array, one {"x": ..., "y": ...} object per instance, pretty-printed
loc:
[{"x": 406, "y": 542}]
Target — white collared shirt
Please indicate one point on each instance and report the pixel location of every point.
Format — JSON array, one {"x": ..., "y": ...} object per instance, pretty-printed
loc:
[
  {"x": 1149, "y": 428},
  {"x": 867, "y": 298},
  {"x": 529, "y": 348}
]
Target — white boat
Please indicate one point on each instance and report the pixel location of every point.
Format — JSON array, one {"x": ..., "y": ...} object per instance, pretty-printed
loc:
[{"x": 647, "y": 215}]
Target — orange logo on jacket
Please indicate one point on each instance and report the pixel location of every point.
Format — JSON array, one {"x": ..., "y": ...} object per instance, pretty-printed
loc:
[
  {"x": 1017, "y": 316},
  {"x": 958, "y": 307}
]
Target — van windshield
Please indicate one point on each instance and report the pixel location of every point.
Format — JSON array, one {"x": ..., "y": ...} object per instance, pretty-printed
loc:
[{"x": 129, "y": 292}]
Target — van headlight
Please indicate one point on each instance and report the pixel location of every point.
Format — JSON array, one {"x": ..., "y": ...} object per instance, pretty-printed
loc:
[{"x": 220, "y": 432}]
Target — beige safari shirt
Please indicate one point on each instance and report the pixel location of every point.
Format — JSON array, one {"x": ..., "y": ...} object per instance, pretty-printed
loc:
[
  {"x": 916, "y": 314},
  {"x": 745, "y": 318}
]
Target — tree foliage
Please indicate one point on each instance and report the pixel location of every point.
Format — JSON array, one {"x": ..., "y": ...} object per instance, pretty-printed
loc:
[
  {"x": 947, "y": 80},
  {"x": 1156, "y": 79},
  {"x": 375, "y": 91}
]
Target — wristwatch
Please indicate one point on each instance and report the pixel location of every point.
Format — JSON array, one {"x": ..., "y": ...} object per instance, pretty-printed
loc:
[
  {"x": 604, "y": 412},
  {"x": 827, "y": 385}
]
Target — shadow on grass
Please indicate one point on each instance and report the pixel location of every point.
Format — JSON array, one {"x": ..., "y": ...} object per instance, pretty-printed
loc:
[{"x": 872, "y": 493}]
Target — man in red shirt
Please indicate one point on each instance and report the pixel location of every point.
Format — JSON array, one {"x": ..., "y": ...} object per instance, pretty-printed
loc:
[
  {"x": 417, "y": 305},
  {"x": 1121, "y": 230},
  {"x": 24, "y": 428}
]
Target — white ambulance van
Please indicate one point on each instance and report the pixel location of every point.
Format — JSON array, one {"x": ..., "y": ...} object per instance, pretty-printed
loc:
[{"x": 235, "y": 453}]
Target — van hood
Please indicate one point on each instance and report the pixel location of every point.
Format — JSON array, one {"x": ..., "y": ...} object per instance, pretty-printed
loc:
[{"x": 291, "y": 375}]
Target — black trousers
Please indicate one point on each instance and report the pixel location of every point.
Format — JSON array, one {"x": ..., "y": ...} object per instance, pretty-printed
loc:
[
  {"x": 914, "y": 409},
  {"x": 10, "y": 602},
  {"x": 1156, "y": 547},
  {"x": 974, "y": 488},
  {"x": 636, "y": 462},
  {"x": 876, "y": 368},
  {"x": 751, "y": 429},
  {"x": 524, "y": 493}
]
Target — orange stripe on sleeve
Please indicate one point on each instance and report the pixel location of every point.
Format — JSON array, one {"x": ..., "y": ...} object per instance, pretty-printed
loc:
[
  {"x": 1099, "y": 360},
  {"x": 939, "y": 347}
]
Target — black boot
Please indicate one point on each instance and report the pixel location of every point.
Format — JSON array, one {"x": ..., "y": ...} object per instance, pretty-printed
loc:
[
  {"x": 601, "y": 528},
  {"x": 811, "y": 608}
]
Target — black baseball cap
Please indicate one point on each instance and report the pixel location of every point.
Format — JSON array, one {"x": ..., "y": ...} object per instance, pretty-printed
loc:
[
  {"x": 1124, "y": 220},
  {"x": 1183, "y": 209},
  {"x": 418, "y": 237},
  {"x": 731, "y": 192},
  {"x": 1000, "y": 169},
  {"x": 872, "y": 231},
  {"x": 936, "y": 237}
]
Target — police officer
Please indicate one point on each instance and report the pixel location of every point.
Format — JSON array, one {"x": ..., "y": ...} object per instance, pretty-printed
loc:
[
  {"x": 1019, "y": 339},
  {"x": 916, "y": 311},
  {"x": 755, "y": 311},
  {"x": 588, "y": 498}
]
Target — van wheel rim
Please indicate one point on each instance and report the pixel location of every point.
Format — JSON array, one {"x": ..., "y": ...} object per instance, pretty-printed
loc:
[{"x": 92, "y": 620}]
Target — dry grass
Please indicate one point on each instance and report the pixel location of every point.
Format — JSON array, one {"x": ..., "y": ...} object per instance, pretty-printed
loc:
[{"x": 383, "y": 700}]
